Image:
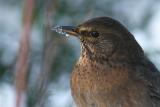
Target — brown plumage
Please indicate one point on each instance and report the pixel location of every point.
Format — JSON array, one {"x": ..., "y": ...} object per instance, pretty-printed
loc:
[{"x": 112, "y": 70}]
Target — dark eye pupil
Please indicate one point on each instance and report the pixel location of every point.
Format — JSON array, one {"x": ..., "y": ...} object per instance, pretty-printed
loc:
[{"x": 94, "y": 34}]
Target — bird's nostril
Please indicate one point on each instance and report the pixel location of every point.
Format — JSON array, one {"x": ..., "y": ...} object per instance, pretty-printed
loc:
[{"x": 83, "y": 32}]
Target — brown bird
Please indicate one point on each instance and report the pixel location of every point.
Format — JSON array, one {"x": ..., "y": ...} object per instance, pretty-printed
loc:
[{"x": 112, "y": 70}]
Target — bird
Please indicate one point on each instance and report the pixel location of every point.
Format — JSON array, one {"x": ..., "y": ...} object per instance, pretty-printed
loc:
[{"x": 112, "y": 70}]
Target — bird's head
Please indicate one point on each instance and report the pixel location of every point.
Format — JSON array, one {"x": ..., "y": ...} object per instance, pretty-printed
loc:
[{"x": 103, "y": 37}]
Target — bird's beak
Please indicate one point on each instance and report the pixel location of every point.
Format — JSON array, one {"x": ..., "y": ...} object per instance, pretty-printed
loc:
[{"x": 66, "y": 30}]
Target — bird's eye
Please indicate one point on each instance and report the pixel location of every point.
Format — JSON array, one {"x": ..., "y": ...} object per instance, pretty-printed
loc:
[{"x": 94, "y": 33}]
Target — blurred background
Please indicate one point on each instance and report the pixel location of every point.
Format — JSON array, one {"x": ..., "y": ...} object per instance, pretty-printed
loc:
[{"x": 36, "y": 63}]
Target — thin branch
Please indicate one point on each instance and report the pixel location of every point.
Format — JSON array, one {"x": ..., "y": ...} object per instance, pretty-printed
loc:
[{"x": 22, "y": 60}]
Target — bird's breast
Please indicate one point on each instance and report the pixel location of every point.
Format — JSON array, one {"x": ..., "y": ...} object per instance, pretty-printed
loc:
[
  {"x": 95, "y": 83},
  {"x": 93, "y": 75}
]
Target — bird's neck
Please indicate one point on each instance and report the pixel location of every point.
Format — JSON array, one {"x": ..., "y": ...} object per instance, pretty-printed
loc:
[{"x": 115, "y": 57}]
